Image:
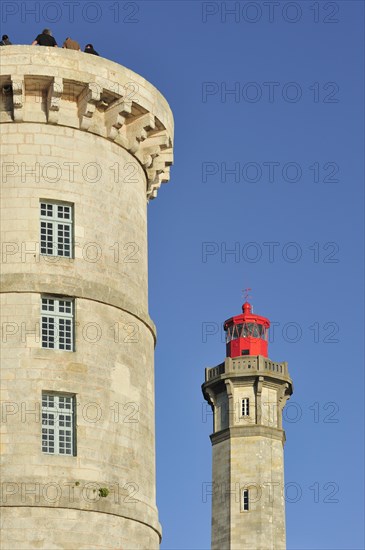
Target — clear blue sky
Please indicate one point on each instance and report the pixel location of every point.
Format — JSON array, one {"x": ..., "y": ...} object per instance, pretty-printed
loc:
[{"x": 294, "y": 131}]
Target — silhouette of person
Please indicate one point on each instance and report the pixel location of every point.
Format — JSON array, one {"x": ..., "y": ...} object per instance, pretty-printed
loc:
[
  {"x": 70, "y": 44},
  {"x": 89, "y": 48},
  {"x": 5, "y": 40},
  {"x": 45, "y": 39}
]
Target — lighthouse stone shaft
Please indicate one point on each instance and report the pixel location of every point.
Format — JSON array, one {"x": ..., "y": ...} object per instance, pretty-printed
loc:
[{"x": 247, "y": 394}]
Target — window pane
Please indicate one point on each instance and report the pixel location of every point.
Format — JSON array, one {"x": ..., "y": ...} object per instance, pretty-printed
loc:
[
  {"x": 48, "y": 332},
  {"x": 47, "y": 304},
  {"x": 245, "y": 500},
  {"x": 55, "y": 237},
  {"x": 245, "y": 410},
  {"x": 57, "y": 428},
  {"x": 57, "y": 326}
]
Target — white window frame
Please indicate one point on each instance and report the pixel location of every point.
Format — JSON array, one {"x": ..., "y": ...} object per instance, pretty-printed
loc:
[
  {"x": 58, "y": 424},
  {"x": 57, "y": 323},
  {"x": 245, "y": 406},
  {"x": 56, "y": 228},
  {"x": 245, "y": 500}
]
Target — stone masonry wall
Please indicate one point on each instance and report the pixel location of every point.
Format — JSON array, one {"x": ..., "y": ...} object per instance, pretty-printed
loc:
[{"x": 74, "y": 131}]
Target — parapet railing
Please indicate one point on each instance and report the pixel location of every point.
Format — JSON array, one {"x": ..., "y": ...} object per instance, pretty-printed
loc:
[{"x": 252, "y": 363}]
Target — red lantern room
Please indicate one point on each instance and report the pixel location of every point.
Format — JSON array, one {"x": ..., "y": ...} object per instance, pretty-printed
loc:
[{"x": 246, "y": 334}]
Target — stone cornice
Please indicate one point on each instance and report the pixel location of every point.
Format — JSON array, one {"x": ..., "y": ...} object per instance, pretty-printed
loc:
[
  {"x": 29, "y": 283},
  {"x": 69, "y": 88},
  {"x": 17, "y": 501},
  {"x": 247, "y": 431}
]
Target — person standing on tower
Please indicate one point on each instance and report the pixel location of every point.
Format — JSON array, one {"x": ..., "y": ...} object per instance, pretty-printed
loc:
[
  {"x": 70, "y": 44},
  {"x": 89, "y": 48},
  {"x": 45, "y": 39},
  {"x": 5, "y": 40}
]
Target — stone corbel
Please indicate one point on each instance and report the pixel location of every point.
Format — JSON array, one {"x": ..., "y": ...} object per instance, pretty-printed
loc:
[
  {"x": 54, "y": 95},
  {"x": 229, "y": 390},
  {"x": 153, "y": 188},
  {"x": 210, "y": 397},
  {"x": 18, "y": 99},
  {"x": 132, "y": 134},
  {"x": 163, "y": 160},
  {"x": 151, "y": 148},
  {"x": 283, "y": 396},
  {"x": 86, "y": 103},
  {"x": 259, "y": 385},
  {"x": 154, "y": 184},
  {"x": 115, "y": 118},
  {"x": 159, "y": 171}
]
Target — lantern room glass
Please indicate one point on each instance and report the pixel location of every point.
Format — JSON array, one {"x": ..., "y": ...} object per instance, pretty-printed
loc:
[{"x": 246, "y": 330}]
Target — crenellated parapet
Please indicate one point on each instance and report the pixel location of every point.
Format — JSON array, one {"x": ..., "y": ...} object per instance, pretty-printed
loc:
[{"x": 70, "y": 88}]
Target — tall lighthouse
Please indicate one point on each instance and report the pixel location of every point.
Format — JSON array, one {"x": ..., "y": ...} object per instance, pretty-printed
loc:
[{"x": 247, "y": 393}]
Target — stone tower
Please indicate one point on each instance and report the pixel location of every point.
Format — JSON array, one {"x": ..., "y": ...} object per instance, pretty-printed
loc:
[
  {"x": 247, "y": 394},
  {"x": 85, "y": 144}
]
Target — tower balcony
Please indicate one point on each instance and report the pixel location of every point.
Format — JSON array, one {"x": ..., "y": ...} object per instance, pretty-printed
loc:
[{"x": 246, "y": 366}]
